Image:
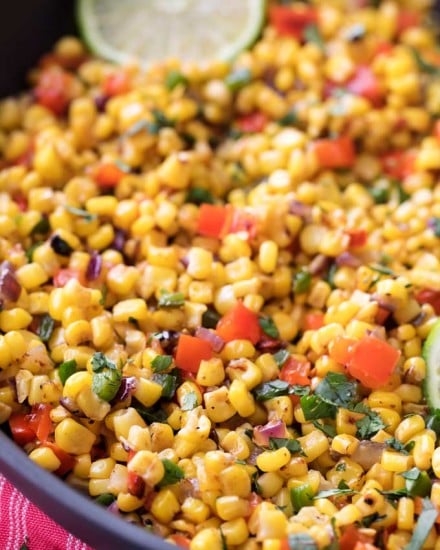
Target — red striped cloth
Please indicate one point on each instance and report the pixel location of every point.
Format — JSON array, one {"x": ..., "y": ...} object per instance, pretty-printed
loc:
[{"x": 23, "y": 525}]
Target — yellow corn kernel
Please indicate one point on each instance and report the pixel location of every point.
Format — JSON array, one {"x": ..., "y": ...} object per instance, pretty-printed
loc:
[
  {"x": 405, "y": 514},
  {"x": 75, "y": 383},
  {"x": 271, "y": 461},
  {"x": 423, "y": 451},
  {"x": 270, "y": 484},
  {"x": 344, "y": 444},
  {"x": 31, "y": 275},
  {"x": 118, "y": 453},
  {"x": 268, "y": 256},
  {"x": 128, "y": 503},
  {"x": 241, "y": 399},
  {"x": 199, "y": 263},
  {"x": 161, "y": 436},
  {"x": 121, "y": 279},
  {"x": 16, "y": 343},
  {"x": 245, "y": 370},
  {"x": 46, "y": 458},
  {"x": 73, "y": 438},
  {"x": 102, "y": 468},
  {"x": 102, "y": 206},
  {"x": 235, "y": 532},
  {"x": 313, "y": 444},
  {"x": 195, "y": 510},
  {"x": 147, "y": 392},
  {"x": 187, "y": 388},
  {"x": 77, "y": 333},
  {"x": 396, "y": 462},
  {"x": 14, "y": 319},
  {"x": 236, "y": 444},
  {"x": 383, "y": 399},
  {"x": 272, "y": 524},
  {"x": 165, "y": 506},
  {"x": 208, "y": 537},
  {"x": 409, "y": 427},
  {"x": 135, "y": 308},
  {"x": 147, "y": 465},
  {"x": 348, "y": 515},
  {"x": 102, "y": 332},
  {"x": 235, "y": 480},
  {"x": 231, "y": 507},
  {"x": 122, "y": 420}
]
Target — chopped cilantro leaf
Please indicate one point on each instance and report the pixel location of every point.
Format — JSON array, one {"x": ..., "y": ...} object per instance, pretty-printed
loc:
[
  {"x": 292, "y": 445},
  {"x": 161, "y": 363},
  {"x": 175, "y": 78},
  {"x": 66, "y": 369},
  {"x": 269, "y": 327},
  {"x": 106, "y": 377},
  {"x": 171, "y": 299},
  {"x": 337, "y": 390},
  {"x": 301, "y": 282},
  {"x": 281, "y": 357},
  {"x": 189, "y": 401},
  {"x": 199, "y": 195},
  {"x": 45, "y": 330},
  {"x": 312, "y": 34},
  {"x": 88, "y": 217},
  {"x": 173, "y": 473},
  {"x": 238, "y": 79}
]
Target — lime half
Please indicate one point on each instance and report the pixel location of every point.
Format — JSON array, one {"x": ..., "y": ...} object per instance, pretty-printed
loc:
[
  {"x": 431, "y": 354},
  {"x": 155, "y": 30}
]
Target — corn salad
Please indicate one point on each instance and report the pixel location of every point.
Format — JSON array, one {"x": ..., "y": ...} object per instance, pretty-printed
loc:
[{"x": 216, "y": 282}]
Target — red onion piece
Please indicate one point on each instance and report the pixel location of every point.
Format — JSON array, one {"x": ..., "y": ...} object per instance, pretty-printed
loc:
[
  {"x": 274, "y": 428},
  {"x": 318, "y": 264},
  {"x": 217, "y": 343},
  {"x": 127, "y": 387},
  {"x": 300, "y": 209},
  {"x": 347, "y": 259},
  {"x": 383, "y": 303},
  {"x": 94, "y": 267},
  {"x": 119, "y": 240},
  {"x": 70, "y": 405},
  {"x": 10, "y": 288},
  {"x": 113, "y": 509}
]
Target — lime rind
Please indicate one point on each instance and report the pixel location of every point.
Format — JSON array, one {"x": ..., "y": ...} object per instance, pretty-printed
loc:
[
  {"x": 431, "y": 354},
  {"x": 88, "y": 23}
]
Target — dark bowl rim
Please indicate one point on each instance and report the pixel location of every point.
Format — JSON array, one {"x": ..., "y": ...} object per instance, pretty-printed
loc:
[{"x": 73, "y": 511}]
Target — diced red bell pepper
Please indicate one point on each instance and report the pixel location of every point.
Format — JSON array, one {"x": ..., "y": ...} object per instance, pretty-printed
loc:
[
  {"x": 291, "y": 21},
  {"x": 21, "y": 202},
  {"x": 358, "y": 237},
  {"x": 296, "y": 372},
  {"x": 180, "y": 540},
  {"x": 382, "y": 315},
  {"x": 135, "y": 484},
  {"x": 67, "y": 461},
  {"x": 365, "y": 83},
  {"x": 335, "y": 153},
  {"x": 40, "y": 422},
  {"x": 436, "y": 129},
  {"x": 22, "y": 431},
  {"x": 116, "y": 83},
  {"x": 406, "y": 19},
  {"x": 398, "y": 164},
  {"x": 373, "y": 361},
  {"x": 383, "y": 48},
  {"x": 53, "y": 90},
  {"x": 313, "y": 321},
  {"x": 351, "y": 537},
  {"x": 63, "y": 276},
  {"x": 108, "y": 175},
  {"x": 240, "y": 323},
  {"x": 341, "y": 349},
  {"x": 253, "y": 122},
  {"x": 429, "y": 296},
  {"x": 214, "y": 220},
  {"x": 190, "y": 351}
]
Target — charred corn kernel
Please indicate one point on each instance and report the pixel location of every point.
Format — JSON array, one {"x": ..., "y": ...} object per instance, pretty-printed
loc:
[
  {"x": 161, "y": 436},
  {"x": 147, "y": 465},
  {"x": 46, "y": 458},
  {"x": 241, "y": 399},
  {"x": 73, "y": 438},
  {"x": 370, "y": 502},
  {"x": 165, "y": 506},
  {"x": 245, "y": 370},
  {"x": 14, "y": 319},
  {"x": 271, "y": 461},
  {"x": 396, "y": 462},
  {"x": 217, "y": 405},
  {"x": 387, "y": 400},
  {"x": 102, "y": 468},
  {"x": 231, "y": 507},
  {"x": 236, "y": 445}
]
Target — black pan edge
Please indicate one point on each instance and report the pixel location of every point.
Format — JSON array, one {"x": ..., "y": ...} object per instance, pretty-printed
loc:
[{"x": 75, "y": 512}]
